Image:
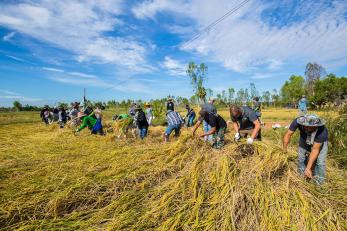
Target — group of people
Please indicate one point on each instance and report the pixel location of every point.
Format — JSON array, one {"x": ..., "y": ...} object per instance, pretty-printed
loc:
[
  {"x": 78, "y": 118},
  {"x": 58, "y": 114},
  {"x": 313, "y": 143}
]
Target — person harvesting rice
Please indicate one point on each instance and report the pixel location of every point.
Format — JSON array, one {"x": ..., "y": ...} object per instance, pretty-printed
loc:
[
  {"x": 190, "y": 116},
  {"x": 313, "y": 146},
  {"x": 62, "y": 116},
  {"x": 218, "y": 127},
  {"x": 149, "y": 113},
  {"x": 245, "y": 121},
  {"x": 174, "y": 121},
  {"x": 92, "y": 123},
  {"x": 170, "y": 104},
  {"x": 141, "y": 121},
  {"x": 210, "y": 108},
  {"x": 302, "y": 106}
]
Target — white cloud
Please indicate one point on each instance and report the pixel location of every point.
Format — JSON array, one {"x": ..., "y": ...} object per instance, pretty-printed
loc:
[
  {"x": 15, "y": 58},
  {"x": 11, "y": 95},
  {"x": 52, "y": 69},
  {"x": 149, "y": 8},
  {"x": 174, "y": 67},
  {"x": 262, "y": 76},
  {"x": 248, "y": 41},
  {"x": 91, "y": 82},
  {"x": 180, "y": 30},
  {"x": 83, "y": 75},
  {"x": 79, "y": 27},
  {"x": 9, "y": 36}
]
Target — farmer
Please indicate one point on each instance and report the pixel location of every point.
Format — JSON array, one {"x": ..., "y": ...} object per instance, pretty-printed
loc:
[
  {"x": 313, "y": 146},
  {"x": 174, "y": 121},
  {"x": 55, "y": 114},
  {"x": 210, "y": 108},
  {"x": 257, "y": 106},
  {"x": 62, "y": 116},
  {"x": 141, "y": 122},
  {"x": 120, "y": 117},
  {"x": 88, "y": 111},
  {"x": 218, "y": 127},
  {"x": 88, "y": 121},
  {"x": 149, "y": 113},
  {"x": 98, "y": 112},
  {"x": 245, "y": 122},
  {"x": 302, "y": 106},
  {"x": 123, "y": 124},
  {"x": 75, "y": 121},
  {"x": 75, "y": 109},
  {"x": 190, "y": 116},
  {"x": 132, "y": 111},
  {"x": 170, "y": 104},
  {"x": 45, "y": 114}
]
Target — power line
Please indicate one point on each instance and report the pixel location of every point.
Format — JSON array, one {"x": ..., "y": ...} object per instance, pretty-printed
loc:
[{"x": 216, "y": 22}]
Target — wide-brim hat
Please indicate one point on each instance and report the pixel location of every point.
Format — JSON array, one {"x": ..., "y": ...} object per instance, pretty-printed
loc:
[
  {"x": 310, "y": 121},
  {"x": 137, "y": 107},
  {"x": 147, "y": 104},
  {"x": 169, "y": 99}
]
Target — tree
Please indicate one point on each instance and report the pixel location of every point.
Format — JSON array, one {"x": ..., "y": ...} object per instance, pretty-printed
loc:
[
  {"x": 242, "y": 96},
  {"x": 266, "y": 97},
  {"x": 253, "y": 90},
  {"x": 330, "y": 89},
  {"x": 194, "y": 99},
  {"x": 17, "y": 105},
  {"x": 197, "y": 74},
  {"x": 275, "y": 97},
  {"x": 231, "y": 93},
  {"x": 224, "y": 96},
  {"x": 293, "y": 89},
  {"x": 209, "y": 92},
  {"x": 158, "y": 108},
  {"x": 313, "y": 73}
]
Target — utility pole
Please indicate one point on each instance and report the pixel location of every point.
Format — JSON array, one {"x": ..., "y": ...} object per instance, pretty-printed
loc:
[{"x": 84, "y": 98}]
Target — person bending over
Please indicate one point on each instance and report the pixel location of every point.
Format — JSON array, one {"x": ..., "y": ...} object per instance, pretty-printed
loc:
[{"x": 245, "y": 122}]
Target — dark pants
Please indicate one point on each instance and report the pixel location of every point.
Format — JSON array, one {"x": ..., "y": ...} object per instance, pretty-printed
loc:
[
  {"x": 245, "y": 132},
  {"x": 143, "y": 132}
]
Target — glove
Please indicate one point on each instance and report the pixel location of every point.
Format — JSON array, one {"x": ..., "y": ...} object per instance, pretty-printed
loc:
[
  {"x": 237, "y": 136},
  {"x": 250, "y": 140}
]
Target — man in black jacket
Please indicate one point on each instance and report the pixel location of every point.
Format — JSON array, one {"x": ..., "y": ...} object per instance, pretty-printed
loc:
[{"x": 141, "y": 121}]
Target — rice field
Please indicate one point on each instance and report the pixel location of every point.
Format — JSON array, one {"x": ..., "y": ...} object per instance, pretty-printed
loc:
[{"x": 51, "y": 179}]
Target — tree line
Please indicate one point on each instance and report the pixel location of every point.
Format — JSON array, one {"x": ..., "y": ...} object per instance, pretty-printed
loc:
[{"x": 319, "y": 88}]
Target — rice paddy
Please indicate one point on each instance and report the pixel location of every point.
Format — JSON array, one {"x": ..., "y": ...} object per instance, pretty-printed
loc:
[{"x": 51, "y": 179}]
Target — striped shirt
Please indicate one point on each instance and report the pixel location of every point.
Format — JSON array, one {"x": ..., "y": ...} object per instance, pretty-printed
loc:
[{"x": 174, "y": 118}]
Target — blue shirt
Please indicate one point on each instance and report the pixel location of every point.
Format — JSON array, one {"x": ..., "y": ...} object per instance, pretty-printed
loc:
[
  {"x": 174, "y": 118},
  {"x": 302, "y": 104}
]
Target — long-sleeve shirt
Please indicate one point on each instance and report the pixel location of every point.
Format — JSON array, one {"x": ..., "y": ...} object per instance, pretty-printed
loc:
[
  {"x": 174, "y": 118},
  {"x": 87, "y": 121},
  {"x": 149, "y": 112},
  {"x": 302, "y": 104}
]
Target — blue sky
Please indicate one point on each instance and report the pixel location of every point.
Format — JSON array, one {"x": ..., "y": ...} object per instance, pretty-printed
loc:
[{"x": 51, "y": 49}]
